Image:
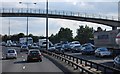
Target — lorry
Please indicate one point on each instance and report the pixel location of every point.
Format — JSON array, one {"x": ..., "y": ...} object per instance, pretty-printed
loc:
[
  {"x": 23, "y": 41},
  {"x": 9, "y": 43},
  {"x": 108, "y": 39}
]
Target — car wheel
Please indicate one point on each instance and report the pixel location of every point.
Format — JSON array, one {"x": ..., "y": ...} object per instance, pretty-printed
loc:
[
  {"x": 96, "y": 55},
  {"x": 6, "y": 57},
  {"x": 40, "y": 60},
  {"x": 15, "y": 57},
  {"x": 72, "y": 51},
  {"x": 100, "y": 55},
  {"x": 114, "y": 65},
  {"x": 28, "y": 60}
]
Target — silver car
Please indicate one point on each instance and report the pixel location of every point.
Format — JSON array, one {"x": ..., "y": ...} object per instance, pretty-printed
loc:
[
  {"x": 11, "y": 53},
  {"x": 117, "y": 61},
  {"x": 101, "y": 52}
]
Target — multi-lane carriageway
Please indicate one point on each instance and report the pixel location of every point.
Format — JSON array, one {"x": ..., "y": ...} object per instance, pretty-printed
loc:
[{"x": 20, "y": 64}]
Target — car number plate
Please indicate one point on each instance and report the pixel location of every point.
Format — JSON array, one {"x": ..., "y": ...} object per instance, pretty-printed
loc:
[{"x": 34, "y": 58}]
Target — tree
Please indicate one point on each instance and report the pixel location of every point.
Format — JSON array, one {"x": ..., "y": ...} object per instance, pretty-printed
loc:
[
  {"x": 30, "y": 35},
  {"x": 99, "y": 29},
  {"x": 21, "y": 35},
  {"x": 84, "y": 34},
  {"x": 64, "y": 34}
]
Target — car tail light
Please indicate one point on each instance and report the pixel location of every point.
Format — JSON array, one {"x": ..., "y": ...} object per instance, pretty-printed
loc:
[{"x": 39, "y": 54}]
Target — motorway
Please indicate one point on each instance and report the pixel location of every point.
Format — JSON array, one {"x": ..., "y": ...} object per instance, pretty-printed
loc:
[{"x": 21, "y": 65}]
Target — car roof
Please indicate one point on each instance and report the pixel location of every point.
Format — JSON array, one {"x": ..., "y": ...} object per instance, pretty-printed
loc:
[
  {"x": 33, "y": 50},
  {"x": 102, "y": 48},
  {"x": 11, "y": 49}
]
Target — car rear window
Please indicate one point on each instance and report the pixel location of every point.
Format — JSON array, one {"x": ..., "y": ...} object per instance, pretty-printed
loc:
[
  {"x": 24, "y": 47},
  {"x": 103, "y": 49},
  {"x": 11, "y": 51},
  {"x": 44, "y": 43},
  {"x": 34, "y": 52}
]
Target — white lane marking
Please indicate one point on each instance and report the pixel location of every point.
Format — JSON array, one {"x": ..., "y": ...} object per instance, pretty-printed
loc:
[
  {"x": 23, "y": 67},
  {"x": 22, "y": 56}
]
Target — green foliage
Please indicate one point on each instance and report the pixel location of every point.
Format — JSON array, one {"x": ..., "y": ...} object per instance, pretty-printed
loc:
[
  {"x": 64, "y": 34},
  {"x": 84, "y": 34}
]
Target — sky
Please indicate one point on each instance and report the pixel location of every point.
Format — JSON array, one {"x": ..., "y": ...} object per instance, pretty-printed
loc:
[{"x": 37, "y": 25}]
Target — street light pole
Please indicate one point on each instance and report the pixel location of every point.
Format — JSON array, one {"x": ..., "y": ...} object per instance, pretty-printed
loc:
[
  {"x": 47, "y": 25},
  {"x": 9, "y": 28},
  {"x": 27, "y": 23}
]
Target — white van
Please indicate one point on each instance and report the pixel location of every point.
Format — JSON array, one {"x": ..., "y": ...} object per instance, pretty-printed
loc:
[{"x": 42, "y": 43}]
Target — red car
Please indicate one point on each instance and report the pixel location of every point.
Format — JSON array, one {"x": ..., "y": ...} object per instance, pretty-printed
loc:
[{"x": 34, "y": 55}]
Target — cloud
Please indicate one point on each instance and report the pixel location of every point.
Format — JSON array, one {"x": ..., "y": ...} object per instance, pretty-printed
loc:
[
  {"x": 61, "y": 0},
  {"x": 37, "y": 25}
]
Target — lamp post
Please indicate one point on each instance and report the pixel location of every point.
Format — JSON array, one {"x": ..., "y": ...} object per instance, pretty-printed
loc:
[
  {"x": 47, "y": 24},
  {"x": 27, "y": 21},
  {"x": 9, "y": 29}
]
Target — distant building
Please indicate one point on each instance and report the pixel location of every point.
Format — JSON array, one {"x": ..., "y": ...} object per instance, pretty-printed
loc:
[{"x": 106, "y": 38}]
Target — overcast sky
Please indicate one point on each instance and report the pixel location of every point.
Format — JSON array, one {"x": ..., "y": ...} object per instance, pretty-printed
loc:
[{"x": 37, "y": 25}]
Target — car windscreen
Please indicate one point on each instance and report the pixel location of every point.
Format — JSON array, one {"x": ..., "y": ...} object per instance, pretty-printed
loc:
[
  {"x": 11, "y": 51},
  {"x": 103, "y": 49},
  {"x": 88, "y": 48},
  {"x": 24, "y": 46},
  {"x": 76, "y": 43},
  {"x": 77, "y": 46}
]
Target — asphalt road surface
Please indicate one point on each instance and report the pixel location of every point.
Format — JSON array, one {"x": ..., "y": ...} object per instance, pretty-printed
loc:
[{"x": 21, "y": 65}]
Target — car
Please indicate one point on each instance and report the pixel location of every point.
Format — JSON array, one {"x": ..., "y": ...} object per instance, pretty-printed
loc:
[
  {"x": 2, "y": 43},
  {"x": 51, "y": 48},
  {"x": 87, "y": 50},
  {"x": 24, "y": 48},
  {"x": 66, "y": 47},
  {"x": 34, "y": 55},
  {"x": 34, "y": 46},
  {"x": 90, "y": 44},
  {"x": 101, "y": 52},
  {"x": 58, "y": 47},
  {"x": 74, "y": 43},
  {"x": 117, "y": 61},
  {"x": 11, "y": 53},
  {"x": 8, "y": 45},
  {"x": 76, "y": 48},
  {"x": 13, "y": 44}
]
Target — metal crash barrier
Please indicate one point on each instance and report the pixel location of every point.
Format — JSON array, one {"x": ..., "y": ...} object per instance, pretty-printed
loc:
[{"x": 82, "y": 64}]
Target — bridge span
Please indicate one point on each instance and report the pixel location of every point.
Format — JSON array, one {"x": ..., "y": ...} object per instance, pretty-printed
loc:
[{"x": 22, "y": 12}]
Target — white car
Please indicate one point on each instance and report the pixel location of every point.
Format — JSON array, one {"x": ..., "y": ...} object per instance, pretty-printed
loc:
[
  {"x": 11, "y": 53},
  {"x": 51, "y": 48},
  {"x": 102, "y": 52},
  {"x": 74, "y": 43}
]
